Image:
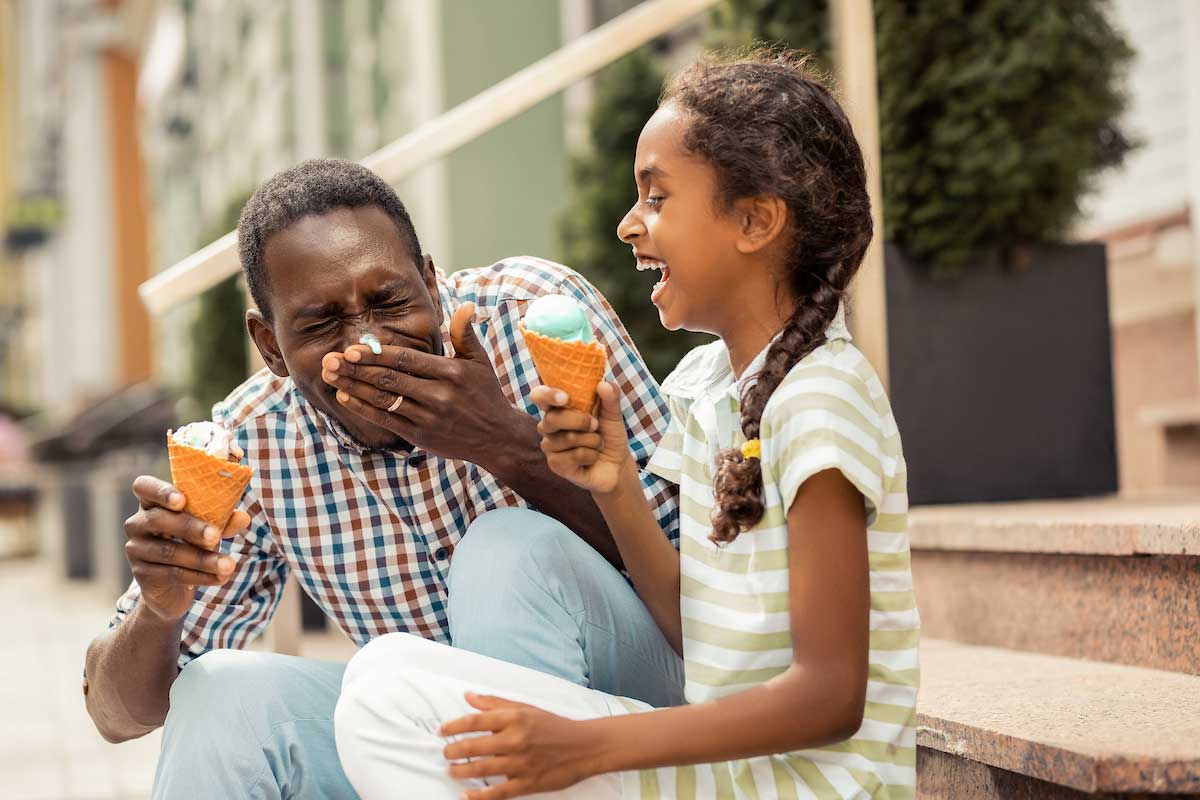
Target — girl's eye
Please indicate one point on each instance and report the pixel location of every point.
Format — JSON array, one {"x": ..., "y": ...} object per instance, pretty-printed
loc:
[{"x": 655, "y": 200}]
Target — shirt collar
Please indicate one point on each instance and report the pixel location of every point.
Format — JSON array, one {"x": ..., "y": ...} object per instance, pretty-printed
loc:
[
  {"x": 449, "y": 302},
  {"x": 712, "y": 376},
  {"x": 326, "y": 424}
]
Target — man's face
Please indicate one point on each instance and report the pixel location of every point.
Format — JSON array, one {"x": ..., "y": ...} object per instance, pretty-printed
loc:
[{"x": 333, "y": 277}]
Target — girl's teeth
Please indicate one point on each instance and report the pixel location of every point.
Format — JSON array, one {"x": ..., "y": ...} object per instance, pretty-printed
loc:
[{"x": 656, "y": 292}]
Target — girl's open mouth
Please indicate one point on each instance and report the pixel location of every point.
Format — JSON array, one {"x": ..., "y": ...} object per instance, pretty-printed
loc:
[{"x": 648, "y": 263}]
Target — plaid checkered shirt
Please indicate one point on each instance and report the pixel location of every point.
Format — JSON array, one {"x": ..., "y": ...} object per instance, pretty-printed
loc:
[{"x": 370, "y": 535}]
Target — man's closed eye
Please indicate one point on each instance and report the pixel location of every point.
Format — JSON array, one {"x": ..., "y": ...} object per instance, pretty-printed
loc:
[
  {"x": 318, "y": 328},
  {"x": 393, "y": 307}
]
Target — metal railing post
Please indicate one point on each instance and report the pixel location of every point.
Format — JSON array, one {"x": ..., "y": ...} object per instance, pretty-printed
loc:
[{"x": 853, "y": 29}]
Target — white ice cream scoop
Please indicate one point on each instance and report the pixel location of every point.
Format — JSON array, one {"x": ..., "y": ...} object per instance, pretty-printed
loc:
[{"x": 211, "y": 438}]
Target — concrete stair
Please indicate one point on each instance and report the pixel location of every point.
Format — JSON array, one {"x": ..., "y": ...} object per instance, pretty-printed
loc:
[
  {"x": 1110, "y": 579},
  {"x": 1063, "y": 726},
  {"x": 1022, "y": 605}
]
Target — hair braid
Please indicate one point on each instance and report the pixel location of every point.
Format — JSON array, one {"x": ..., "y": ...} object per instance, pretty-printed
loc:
[{"x": 738, "y": 481}]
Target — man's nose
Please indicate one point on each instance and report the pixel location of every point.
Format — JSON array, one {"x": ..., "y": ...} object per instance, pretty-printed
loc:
[
  {"x": 630, "y": 227},
  {"x": 355, "y": 328}
]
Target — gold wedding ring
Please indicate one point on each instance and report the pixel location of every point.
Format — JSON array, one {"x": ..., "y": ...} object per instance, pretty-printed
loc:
[{"x": 395, "y": 404}]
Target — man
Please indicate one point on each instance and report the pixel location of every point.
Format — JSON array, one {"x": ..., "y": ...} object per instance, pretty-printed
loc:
[{"x": 398, "y": 488}]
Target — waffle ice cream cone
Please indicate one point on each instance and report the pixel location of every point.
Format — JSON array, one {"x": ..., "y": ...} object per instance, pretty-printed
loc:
[
  {"x": 212, "y": 485},
  {"x": 574, "y": 367}
]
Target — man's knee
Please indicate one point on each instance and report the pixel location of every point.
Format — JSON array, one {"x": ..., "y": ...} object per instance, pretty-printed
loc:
[
  {"x": 244, "y": 719},
  {"x": 213, "y": 703},
  {"x": 221, "y": 686},
  {"x": 505, "y": 543},
  {"x": 217, "y": 673},
  {"x": 514, "y": 568}
]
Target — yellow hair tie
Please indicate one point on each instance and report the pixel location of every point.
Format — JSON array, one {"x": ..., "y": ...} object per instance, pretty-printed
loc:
[{"x": 752, "y": 449}]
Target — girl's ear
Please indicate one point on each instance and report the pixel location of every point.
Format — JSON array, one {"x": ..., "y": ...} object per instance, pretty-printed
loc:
[{"x": 761, "y": 221}]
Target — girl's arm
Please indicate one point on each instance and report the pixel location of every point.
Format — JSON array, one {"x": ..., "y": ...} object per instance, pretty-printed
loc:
[
  {"x": 594, "y": 453},
  {"x": 820, "y": 698},
  {"x": 817, "y": 701}
]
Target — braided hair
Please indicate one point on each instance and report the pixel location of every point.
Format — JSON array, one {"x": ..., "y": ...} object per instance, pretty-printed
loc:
[{"x": 769, "y": 126}]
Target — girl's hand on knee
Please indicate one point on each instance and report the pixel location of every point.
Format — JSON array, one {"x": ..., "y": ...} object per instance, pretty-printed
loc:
[
  {"x": 589, "y": 451},
  {"x": 535, "y": 750}
]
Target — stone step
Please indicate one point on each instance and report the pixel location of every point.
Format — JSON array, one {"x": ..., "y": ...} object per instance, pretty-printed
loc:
[
  {"x": 1109, "y": 579},
  {"x": 996, "y": 723}
]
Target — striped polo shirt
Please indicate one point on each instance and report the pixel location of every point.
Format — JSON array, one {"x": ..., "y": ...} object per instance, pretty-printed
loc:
[{"x": 830, "y": 412}]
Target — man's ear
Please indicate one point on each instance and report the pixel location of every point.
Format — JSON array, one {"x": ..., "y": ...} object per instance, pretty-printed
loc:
[
  {"x": 429, "y": 274},
  {"x": 263, "y": 337},
  {"x": 761, "y": 221}
]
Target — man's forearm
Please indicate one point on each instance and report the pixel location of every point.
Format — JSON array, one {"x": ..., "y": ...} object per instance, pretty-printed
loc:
[
  {"x": 521, "y": 465},
  {"x": 130, "y": 670}
]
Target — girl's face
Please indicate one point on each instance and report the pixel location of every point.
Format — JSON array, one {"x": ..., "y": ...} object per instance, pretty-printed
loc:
[{"x": 675, "y": 227}]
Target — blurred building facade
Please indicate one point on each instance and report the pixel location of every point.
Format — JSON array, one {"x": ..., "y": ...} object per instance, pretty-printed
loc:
[
  {"x": 229, "y": 92},
  {"x": 1148, "y": 213},
  {"x": 11, "y": 290},
  {"x": 257, "y": 87},
  {"x": 75, "y": 224}
]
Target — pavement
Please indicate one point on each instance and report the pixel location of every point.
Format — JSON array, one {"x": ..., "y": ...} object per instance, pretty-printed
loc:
[{"x": 49, "y": 749}]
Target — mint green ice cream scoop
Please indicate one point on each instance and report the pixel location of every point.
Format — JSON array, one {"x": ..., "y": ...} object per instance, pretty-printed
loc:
[{"x": 560, "y": 317}]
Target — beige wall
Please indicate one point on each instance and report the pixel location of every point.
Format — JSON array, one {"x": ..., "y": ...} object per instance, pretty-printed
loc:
[
  {"x": 1155, "y": 178},
  {"x": 1147, "y": 213}
]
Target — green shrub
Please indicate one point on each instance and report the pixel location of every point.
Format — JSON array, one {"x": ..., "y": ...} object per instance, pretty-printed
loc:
[
  {"x": 995, "y": 128},
  {"x": 218, "y": 332},
  {"x": 801, "y": 24},
  {"x": 995, "y": 116}
]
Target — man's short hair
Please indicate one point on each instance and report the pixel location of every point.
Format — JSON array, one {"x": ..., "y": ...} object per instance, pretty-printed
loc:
[{"x": 312, "y": 187}]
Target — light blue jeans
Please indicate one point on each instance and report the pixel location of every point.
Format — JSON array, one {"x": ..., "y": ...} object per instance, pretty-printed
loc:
[{"x": 522, "y": 588}]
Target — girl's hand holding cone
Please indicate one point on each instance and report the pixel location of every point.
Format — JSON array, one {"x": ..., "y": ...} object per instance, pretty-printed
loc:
[{"x": 590, "y": 451}]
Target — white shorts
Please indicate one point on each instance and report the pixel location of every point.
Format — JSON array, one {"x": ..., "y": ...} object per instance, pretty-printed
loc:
[{"x": 399, "y": 689}]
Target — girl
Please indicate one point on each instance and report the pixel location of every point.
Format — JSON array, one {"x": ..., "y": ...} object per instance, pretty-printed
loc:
[{"x": 790, "y": 598}]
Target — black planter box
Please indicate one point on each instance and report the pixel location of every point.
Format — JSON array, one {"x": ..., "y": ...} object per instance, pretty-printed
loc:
[{"x": 1001, "y": 380}]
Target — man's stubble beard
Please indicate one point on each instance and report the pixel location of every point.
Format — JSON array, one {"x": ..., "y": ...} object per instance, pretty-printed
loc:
[{"x": 396, "y": 443}]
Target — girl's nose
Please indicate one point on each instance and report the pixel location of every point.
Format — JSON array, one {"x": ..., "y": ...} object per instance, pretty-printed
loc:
[{"x": 630, "y": 227}]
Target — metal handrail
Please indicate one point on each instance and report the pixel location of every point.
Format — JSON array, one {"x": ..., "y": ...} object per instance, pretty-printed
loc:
[{"x": 456, "y": 127}]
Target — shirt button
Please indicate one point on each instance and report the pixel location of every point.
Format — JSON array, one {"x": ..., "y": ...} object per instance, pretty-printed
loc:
[
  {"x": 416, "y": 459},
  {"x": 441, "y": 553}
]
